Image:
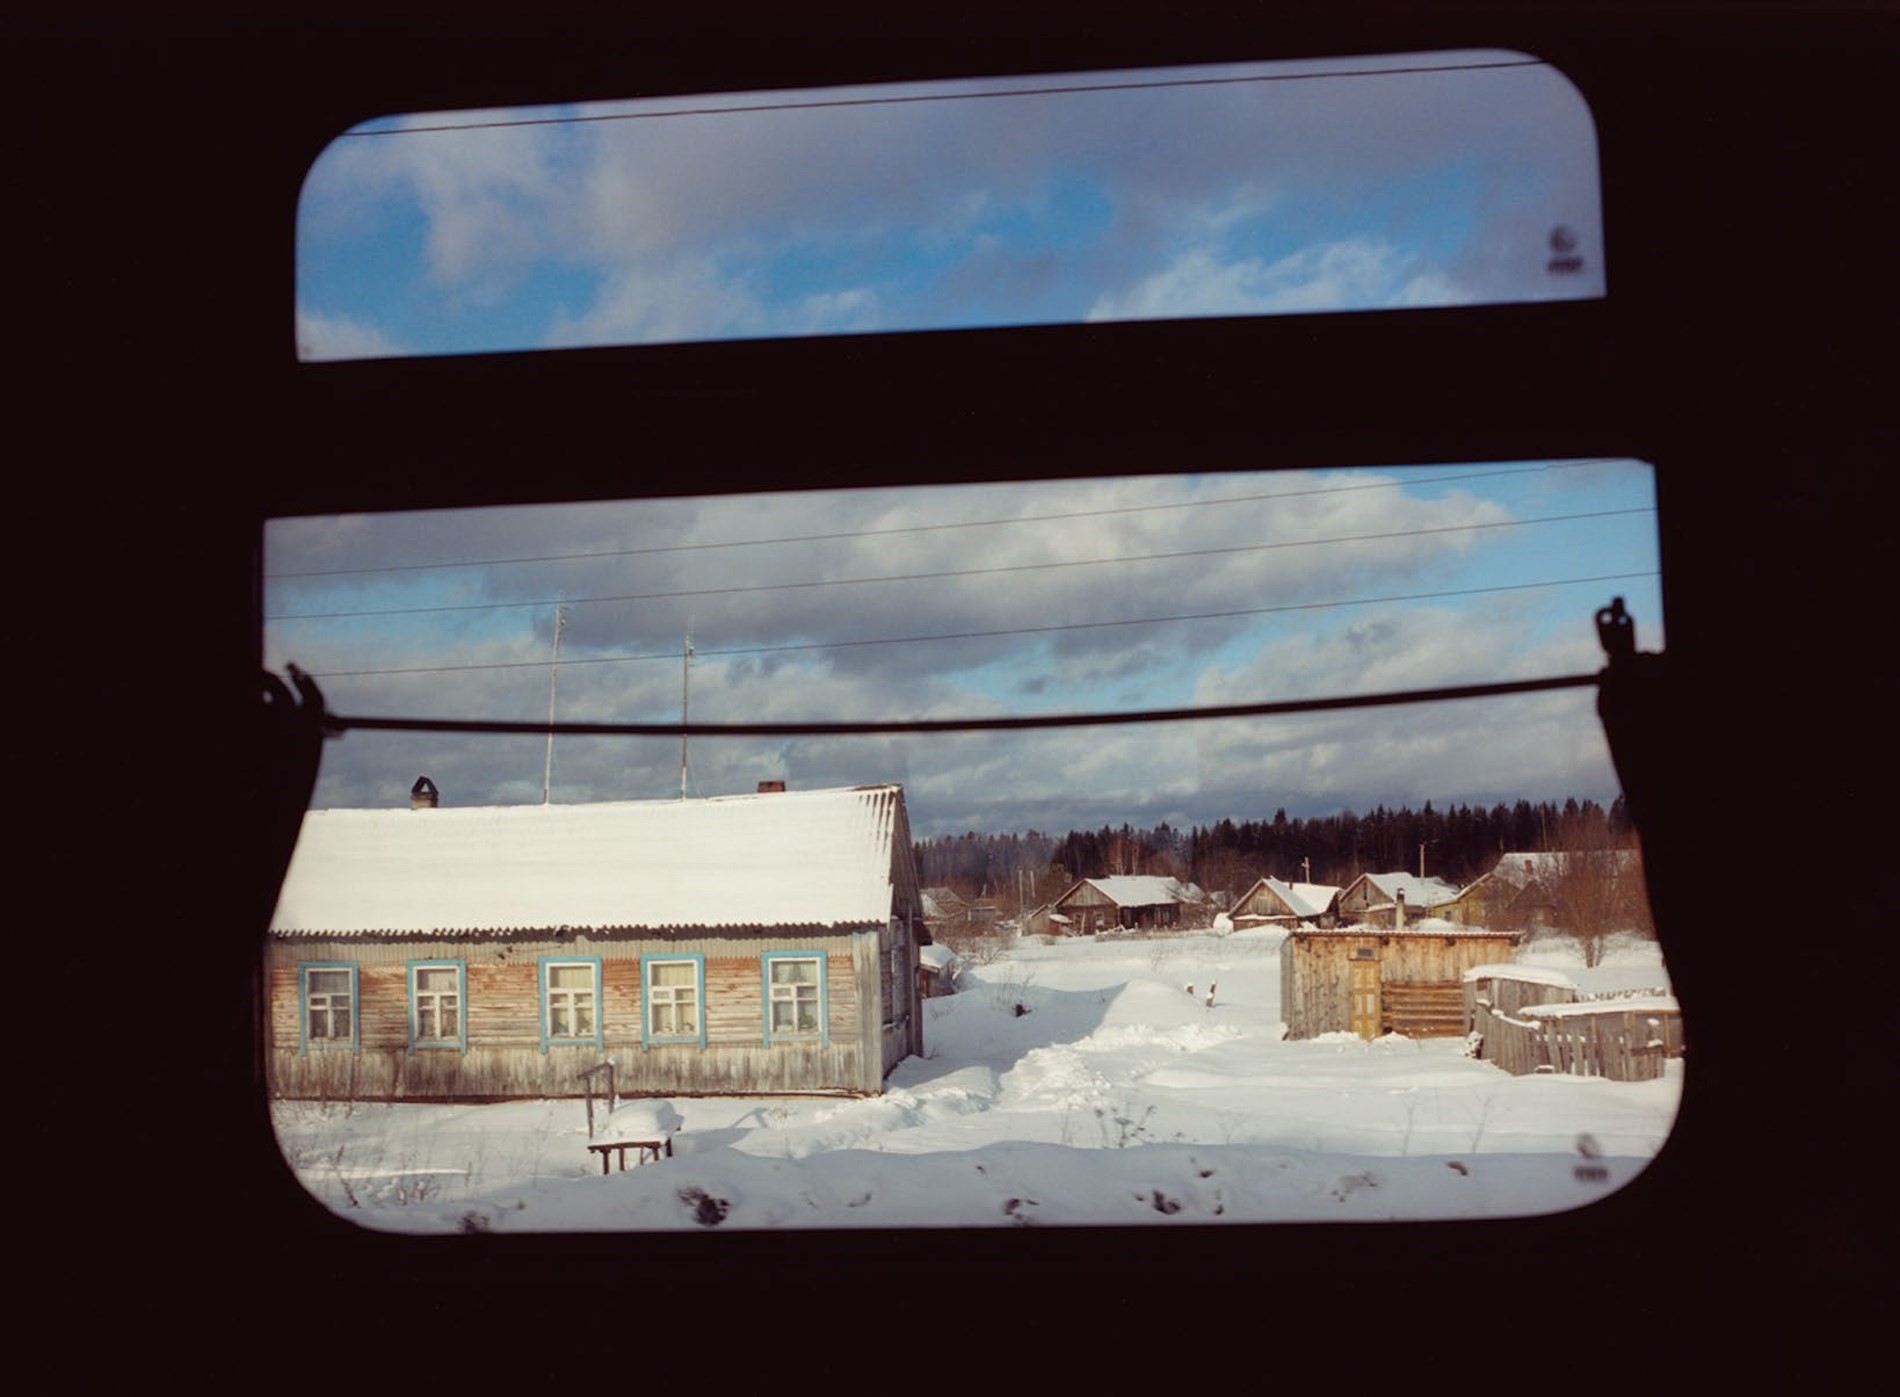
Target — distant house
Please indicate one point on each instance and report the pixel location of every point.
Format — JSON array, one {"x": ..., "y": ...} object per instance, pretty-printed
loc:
[
  {"x": 1099, "y": 904},
  {"x": 1483, "y": 902},
  {"x": 746, "y": 944},
  {"x": 1527, "y": 889},
  {"x": 1269, "y": 902},
  {"x": 943, "y": 909},
  {"x": 1373, "y": 899}
]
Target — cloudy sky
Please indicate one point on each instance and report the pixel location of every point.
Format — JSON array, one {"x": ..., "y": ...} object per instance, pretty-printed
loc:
[
  {"x": 1415, "y": 180},
  {"x": 1124, "y": 593},
  {"x": 1274, "y": 188}
]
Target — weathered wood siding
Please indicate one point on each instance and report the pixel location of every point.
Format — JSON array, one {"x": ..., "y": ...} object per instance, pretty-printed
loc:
[
  {"x": 1263, "y": 902},
  {"x": 505, "y": 1056},
  {"x": 1610, "y": 1039},
  {"x": 1485, "y": 903},
  {"x": 1624, "y": 1045},
  {"x": 1425, "y": 969}
]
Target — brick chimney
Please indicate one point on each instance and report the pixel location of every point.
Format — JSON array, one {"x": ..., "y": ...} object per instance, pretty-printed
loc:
[
  {"x": 769, "y": 787},
  {"x": 423, "y": 795}
]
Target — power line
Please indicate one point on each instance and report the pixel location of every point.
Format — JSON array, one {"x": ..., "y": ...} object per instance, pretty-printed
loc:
[
  {"x": 973, "y": 572},
  {"x": 930, "y": 725},
  {"x": 502, "y": 123},
  {"x": 929, "y": 528},
  {"x": 991, "y": 634}
]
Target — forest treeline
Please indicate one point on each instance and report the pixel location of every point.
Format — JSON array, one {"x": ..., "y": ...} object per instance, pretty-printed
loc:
[{"x": 1458, "y": 843}]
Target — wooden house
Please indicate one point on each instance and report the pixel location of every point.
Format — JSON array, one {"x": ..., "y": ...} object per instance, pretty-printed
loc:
[
  {"x": 1269, "y": 902},
  {"x": 943, "y": 909},
  {"x": 1529, "y": 889},
  {"x": 1372, "y": 981},
  {"x": 747, "y": 944},
  {"x": 1483, "y": 902},
  {"x": 1144, "y": 901},
  {"x": 1373, "y": 899}
]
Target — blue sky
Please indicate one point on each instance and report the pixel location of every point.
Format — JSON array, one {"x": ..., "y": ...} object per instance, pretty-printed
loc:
[
  {"x": 1177, "y": 193},
  {"x": 1334, "y": 185}
]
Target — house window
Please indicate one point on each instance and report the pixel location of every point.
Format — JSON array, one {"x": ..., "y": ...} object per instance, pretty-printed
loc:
[
  {"x": 329, "y": 1005},
  {"x": 675, "y": 994},
  {"x": 570, "y": 1002},
  {"x": 794, "y": 995},
  {"x": 436, "y": 994}
]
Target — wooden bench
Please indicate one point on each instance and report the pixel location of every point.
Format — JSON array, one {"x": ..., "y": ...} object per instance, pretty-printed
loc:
[{"x": 649, "y": 1149}]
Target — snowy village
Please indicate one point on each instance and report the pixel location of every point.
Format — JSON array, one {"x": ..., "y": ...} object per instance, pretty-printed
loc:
[{"x": 547, "y": 1018}]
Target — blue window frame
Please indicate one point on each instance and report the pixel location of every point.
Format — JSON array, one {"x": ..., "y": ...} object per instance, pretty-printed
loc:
[
  {"x": 327, "y": 1005},
  {"x": 570, "y": 1001},
  {"x": 438, "y": 1004},
  {"x": 796, "y": 998},
  {"x": 673, "y": 999}
]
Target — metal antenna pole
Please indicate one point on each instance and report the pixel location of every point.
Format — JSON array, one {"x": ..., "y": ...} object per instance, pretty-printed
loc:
[
  {"x": 554, "y": 670},
  {"x": 686, "y": 670}
]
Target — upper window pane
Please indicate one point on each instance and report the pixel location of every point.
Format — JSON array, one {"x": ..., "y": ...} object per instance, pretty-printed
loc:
[{"x": 1345, "y": 184}]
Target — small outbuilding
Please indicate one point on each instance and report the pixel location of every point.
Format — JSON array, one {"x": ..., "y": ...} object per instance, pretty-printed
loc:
[
  {"x": 763, "y": 943},
  {"x": 1373, "y": 981}
]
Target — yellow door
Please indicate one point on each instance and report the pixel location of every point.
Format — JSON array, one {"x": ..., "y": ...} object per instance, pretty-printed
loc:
[{"x": 1365, "y": 998}]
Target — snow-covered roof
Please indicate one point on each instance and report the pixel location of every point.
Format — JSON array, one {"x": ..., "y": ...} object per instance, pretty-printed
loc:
[
  {"x": 1431, "y": 927},
  {"x": 1631, "y": 1004},
  {"x": 1143, "y": 890},
  {"x": 1318, "y": 896},
  {"x": 1528, "y": 974},
  {"x": 1520, "y": 867},
  {"x": 790, "y": 858},
  {"x": 1419, "y": 892},
  {"x": 1591, "y": 983},
  {"x": 1302, "y": 899},
  {"x": 937, "y": 957}
]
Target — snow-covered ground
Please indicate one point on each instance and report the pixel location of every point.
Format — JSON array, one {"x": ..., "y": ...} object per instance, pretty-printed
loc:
[{"x": 1081, "y": 1082}]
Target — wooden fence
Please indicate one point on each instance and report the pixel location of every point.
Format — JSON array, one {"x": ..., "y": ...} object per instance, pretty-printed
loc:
[{"x": 1622, "y": 1040}]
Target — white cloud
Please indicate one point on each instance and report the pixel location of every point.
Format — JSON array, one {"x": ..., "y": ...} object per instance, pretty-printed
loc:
[
  {"x": 1355, "y": 274},
  {"x": 339, "y": 337},
  {"x": 832, "y": 312},
  {"x": 687, "y": 300},
  {"x": 1478, "y": 750}
]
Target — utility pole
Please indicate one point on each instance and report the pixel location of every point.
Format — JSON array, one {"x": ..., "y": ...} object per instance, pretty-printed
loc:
[
  {"x": 554, "y": 670},
  {"x": 686, "y": 670},
  {"x": 1306, "y": 869}
]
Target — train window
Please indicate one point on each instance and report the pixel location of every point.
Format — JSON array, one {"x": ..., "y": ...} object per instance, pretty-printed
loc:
[
  {"x": 1389, "y": 962},
  {"x": 1410, "y": 180}
]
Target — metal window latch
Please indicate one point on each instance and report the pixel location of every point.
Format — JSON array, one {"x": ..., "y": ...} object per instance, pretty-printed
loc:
[{"x": 1616, "y": 631}]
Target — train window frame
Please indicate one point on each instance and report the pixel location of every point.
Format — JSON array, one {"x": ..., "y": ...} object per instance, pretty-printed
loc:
[
  {"x": 703, "y": 363},
  {"x": 1676, "y": 368}
]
